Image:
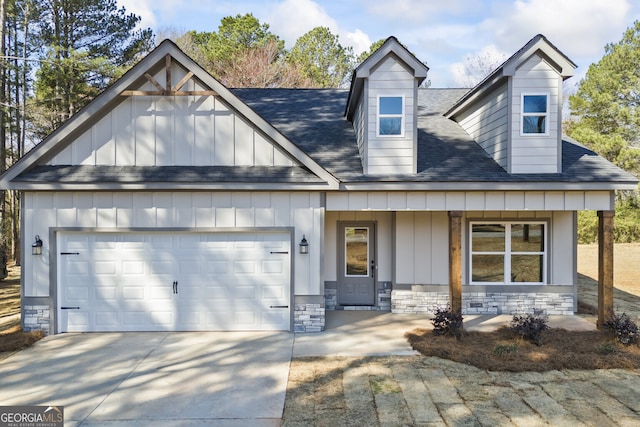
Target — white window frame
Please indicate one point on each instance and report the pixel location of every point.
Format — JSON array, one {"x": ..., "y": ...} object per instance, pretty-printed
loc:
[
  {"x": 507, "y": 253},
  {"x": 380, "y": 115},
  {"x": 545, "y": 114}
]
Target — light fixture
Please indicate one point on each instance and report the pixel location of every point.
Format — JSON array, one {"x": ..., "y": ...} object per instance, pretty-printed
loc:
[
  {"x": 36, "y": 247},
  {"x": 304, "y": 245}
]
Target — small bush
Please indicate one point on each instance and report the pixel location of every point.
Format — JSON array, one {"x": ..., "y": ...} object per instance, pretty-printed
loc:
[
  {"x": 504, "y": 349},
  {"x": 606, "y": 348},
  {"x": 623, "y": 328},
  {"x": 447, "y": 323},
  {"x": 530, "y": 327}
]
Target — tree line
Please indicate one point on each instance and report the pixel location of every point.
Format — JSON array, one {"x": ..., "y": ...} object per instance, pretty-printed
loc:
[{"x": 57, "y": 55}]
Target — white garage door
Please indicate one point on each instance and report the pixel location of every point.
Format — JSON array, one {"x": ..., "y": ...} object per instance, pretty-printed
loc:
[{"x": 173, "y": 281}]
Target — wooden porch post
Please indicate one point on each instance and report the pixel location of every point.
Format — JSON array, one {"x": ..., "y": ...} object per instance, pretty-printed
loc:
[
  {"x": 455, "y": 261},
  {"x": 605, "y": 266}
]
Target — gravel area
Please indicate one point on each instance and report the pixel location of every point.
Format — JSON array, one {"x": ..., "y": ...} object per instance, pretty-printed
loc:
[
  {"x": 427, "y": 391},
  {"x": 422, "y": 391}
]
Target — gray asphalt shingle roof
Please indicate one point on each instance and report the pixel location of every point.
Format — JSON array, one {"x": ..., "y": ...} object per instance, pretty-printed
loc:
[
  {"x": 162, "y": 174},
  {"x": 313, "y": 120}
]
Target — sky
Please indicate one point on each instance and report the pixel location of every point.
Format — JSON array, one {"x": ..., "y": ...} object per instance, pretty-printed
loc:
[{"x": 441, "y": 33}]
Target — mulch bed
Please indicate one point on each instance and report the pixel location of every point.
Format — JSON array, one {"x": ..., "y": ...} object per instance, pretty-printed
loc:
[
  {"x": 504, "y": 350},
  {"x": 16, "y": 339}
]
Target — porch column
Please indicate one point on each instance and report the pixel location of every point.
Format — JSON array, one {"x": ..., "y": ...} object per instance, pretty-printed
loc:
[
  {"x": 455, "y": 261},
  {"x": 605, "y": 266}
]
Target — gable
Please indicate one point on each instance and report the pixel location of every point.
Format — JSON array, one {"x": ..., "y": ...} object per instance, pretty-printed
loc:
[
  {"x": 146, "y": 120},
  {"x": 173, "y": 131}
]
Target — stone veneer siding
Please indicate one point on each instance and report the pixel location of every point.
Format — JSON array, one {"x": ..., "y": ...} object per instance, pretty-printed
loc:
[
  {"x": 383, "y": 301},
  {"x": 308, "y": 318},
  {"x": 36, "y": 317},
  {"x": 415, "y": 302}
]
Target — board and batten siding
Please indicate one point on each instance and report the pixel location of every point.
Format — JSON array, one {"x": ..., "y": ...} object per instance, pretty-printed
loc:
[
  {"x": 487, "y": 124},
  {"x": 536, "y": 153},
  {"x": 172, "y": 131},
  {"x": 392, "y": 154},
  {"x": 158, "y": 211},
  {"x": 422, "y": 247}
]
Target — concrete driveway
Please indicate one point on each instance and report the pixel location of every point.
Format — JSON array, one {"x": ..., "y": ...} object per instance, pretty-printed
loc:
[{"x": 139, "y": 379}]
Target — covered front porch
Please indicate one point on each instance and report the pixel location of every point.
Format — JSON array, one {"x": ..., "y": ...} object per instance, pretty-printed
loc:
[{"x": 423, "y": 250}]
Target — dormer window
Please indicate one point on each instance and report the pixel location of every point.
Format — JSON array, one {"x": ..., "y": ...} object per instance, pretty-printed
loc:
[
  {"x": 535, "y": 108},
  {"x": 390, "y": 116}
]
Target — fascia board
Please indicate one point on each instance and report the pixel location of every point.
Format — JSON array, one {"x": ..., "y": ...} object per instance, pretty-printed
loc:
[
  {"x": 420, "y": 70},
  {"x": 565, "y": 68},
  {"x": 165, "y": 186},
  {"x": 487, "y": 186}
]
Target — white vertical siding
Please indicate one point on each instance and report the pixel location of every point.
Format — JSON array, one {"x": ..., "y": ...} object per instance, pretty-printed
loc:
[
  {"x": 391, "y": 155},
  {"x": 536, "y": 153},
  {"x": 487, "y": 124},
  {"x": 189, "y": 210},
  {"x": 179, "y": 130},
  {"x": 563, "y": 248},
  {"x": 422, "y": 248}
]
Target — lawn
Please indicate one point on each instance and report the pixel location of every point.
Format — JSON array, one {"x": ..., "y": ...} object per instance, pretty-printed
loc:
[{"x": 12, "y": 338}]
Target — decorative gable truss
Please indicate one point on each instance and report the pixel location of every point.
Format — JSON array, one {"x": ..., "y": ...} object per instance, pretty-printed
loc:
[{"x": 147, "y": 133}]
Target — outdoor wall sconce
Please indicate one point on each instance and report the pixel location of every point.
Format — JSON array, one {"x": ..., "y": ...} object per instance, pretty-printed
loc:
[
  {"x": 36, "y": 247},
  {"x": 304, "y": 245}
]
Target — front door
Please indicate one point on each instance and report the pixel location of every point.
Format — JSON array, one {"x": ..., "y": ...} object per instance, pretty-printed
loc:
[{"x": 356, "y": 263}]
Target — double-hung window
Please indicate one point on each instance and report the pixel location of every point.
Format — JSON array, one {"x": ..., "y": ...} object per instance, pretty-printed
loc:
[
  {"x": 390, "y": 116},
  {"x": 508, "y": 252},
  {"x": 535, "y": 112}
]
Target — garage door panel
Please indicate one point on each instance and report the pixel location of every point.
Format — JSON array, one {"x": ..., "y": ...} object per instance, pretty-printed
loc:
[
  {"x": 78, "y": 321},
  {"x": 124, "y": 281},
  {"x": 106, "y": 293},
  {"x": 164, "y": 293},
  {"x": 107, "y": 319},
  {"x": 163, "y": 318}
]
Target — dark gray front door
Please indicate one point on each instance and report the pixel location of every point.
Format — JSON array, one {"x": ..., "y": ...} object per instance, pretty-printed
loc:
[{"x": 356, "y": 263}]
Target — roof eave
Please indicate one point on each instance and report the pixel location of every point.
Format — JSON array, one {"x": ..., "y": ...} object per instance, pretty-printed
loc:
[
  {"x": 170, "y": 186},
  {"x": 487, "y": 186}
]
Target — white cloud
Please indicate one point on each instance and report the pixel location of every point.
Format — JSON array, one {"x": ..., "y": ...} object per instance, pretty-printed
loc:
[
  {"x": 291, "y": 19},
  {"x": 578, "y": 27},
  {"x": 357, "y": 39},
  {"x": 143, "y": 9}
]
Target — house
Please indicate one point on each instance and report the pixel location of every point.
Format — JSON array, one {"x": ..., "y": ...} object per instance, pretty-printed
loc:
[{"x": 174, "y": 203}]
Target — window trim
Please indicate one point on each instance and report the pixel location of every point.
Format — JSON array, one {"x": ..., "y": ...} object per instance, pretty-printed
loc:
[
  {"x": 508, "y": 253},
  {"x": 380, "y": 115},
  {"x": 545, "y": 114}
]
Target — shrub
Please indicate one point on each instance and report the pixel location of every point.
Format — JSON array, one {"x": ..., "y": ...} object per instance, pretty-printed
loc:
[
  {"x": 447, "y": 323},
  {"x": 530, "y": 327},
  {"x": 504, "y": 349},
  {"x": 623, "y": 328},
  {"x": 606, "y": 348}
]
